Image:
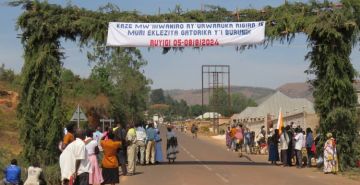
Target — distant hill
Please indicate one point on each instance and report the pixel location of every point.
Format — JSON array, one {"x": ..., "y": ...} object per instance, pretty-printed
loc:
[
  {"x": 193, "y": 96},
  {"x": 259, "y": 94},
  {"x": 297, "y": 90}
]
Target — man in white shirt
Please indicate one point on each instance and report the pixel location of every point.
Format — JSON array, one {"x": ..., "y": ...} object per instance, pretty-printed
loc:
[
  {"x": 299, "y": 139},
  {"x": 284, "y": 144},
  {"x": 140, "y": 142},
  {"x": 74, "y": 161}
]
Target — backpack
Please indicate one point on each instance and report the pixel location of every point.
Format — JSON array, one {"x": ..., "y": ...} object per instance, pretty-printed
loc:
[{"x": 193, "y": 129}]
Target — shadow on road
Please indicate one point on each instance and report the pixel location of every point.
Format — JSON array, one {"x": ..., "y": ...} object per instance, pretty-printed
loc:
[{"x": 230, "y": 163}]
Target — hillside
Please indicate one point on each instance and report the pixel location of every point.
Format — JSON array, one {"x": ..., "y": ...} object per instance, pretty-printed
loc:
[
  {"x": 297, "y": 90},
  {"x": 259, "y": 94},
  {"x": 8, "y": 121},
  {"x": 193, "y": 96}
]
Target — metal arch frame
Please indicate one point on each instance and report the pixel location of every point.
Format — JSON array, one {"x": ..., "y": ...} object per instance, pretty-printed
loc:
[{"x": 215, "y": 80}]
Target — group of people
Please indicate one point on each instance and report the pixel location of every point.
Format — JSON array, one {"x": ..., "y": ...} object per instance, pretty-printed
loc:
[
  {"x": 12, "y": 174},
  {"x": 238, "y": 138},
  {"x": 293, "y": 140},
  {"x": 94, "y": 157},
  {"x": 289, "y": 141}
]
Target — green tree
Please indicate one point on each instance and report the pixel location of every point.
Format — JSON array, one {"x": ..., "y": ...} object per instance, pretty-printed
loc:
[
  {"x": 41, "y": 118},
  {"x": 179, "y": 109},
  {"x": 6, "y": 74},
  {"x": 101, "y": 76},
  {"x": 157, "y": 96},
  {"x": 239, "y": 102},
  {"x": 219, "y": 102},
  {"x": 124, "y": 82},
  {"x": 183, "y": 108},
  {"x": 197, "y": 110},
  {"x": 67, "y": 76},
  {"x": 331, "y": 37}
]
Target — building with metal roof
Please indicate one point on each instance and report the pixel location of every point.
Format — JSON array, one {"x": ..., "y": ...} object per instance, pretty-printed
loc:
[{"x": 298, "y": 111}]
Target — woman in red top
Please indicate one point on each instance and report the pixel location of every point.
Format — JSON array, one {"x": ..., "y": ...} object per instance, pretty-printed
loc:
[
  {"x": 110, "y": 170},
  {"x": 69, "y": 136}
]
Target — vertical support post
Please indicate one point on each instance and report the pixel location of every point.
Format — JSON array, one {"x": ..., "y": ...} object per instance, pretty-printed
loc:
[
  {"x": 229, "y": 90},
  {"x": 266, "y": 126},
  {"x": 202, "y": 91},
  {"x": 78, "y": 113}
]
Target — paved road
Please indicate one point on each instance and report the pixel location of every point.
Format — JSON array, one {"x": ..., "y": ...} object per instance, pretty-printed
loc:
[{"x": 205, "y": 162}]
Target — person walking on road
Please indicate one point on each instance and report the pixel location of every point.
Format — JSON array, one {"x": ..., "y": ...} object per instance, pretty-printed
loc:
[
  {"x": 247, "y": 141},
  {"x": 239, "y": 137},
  {"x": 110, "y": 164},
  {"x": 194, "y": 130},
  {"x": 171, "y": 146},
  {"x": 330, "y": 155},
  {"x": 140, "y": 142},
  {"x": 309, "y": 144},
  {"x": 150, "y": 146},
  {"x": 232, "y": 137},
  {"x": 158, "y": 148},
  {"x": 228, "y": 138},
  {"x": 97, "y": 135},
  {"x": 284, "y": 145},
  {"x": 291, "y": 145},
  {"x": 120, "y": 135},
  {"x": 299, "y": 139},
  {"x": 92, "y": 147},
  {"x": 131, "y": 150},
  {"x": 74, "y": 162},
  {"x": 273, "y": 147}
]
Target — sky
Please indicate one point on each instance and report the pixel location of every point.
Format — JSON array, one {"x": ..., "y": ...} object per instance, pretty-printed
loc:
[{"x": 270, "y": 67}]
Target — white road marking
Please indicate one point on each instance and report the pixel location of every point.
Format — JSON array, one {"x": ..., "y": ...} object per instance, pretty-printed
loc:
[
  {"x": 204, "y": 165},
  {"x": 184, "y": 148},
  {"x": 222, "y": 178},
  {"x": 186, "y": 151},
  {"x": 207, "y": 167}
]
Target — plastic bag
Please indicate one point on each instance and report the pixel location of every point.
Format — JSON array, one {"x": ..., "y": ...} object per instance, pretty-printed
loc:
[
  {"x": 313, "y": 148},
  {"x": 320, "y": 161}
]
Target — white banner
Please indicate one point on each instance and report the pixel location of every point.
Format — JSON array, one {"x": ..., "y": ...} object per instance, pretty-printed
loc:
[{"x": 185, "y": 34}]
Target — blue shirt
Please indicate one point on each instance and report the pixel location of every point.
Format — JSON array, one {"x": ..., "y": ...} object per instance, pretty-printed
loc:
[
  {"x": 12, "y": 174},
  {"x": 309, "y": 140},
  {"x": 97, "y": 136},
  {"x": 150, "y": 132}
]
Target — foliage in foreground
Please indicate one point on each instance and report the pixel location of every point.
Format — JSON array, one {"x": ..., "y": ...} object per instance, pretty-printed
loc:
[
  {"x": 331, "y": 31},
  {"x": 331, "y": 38}
]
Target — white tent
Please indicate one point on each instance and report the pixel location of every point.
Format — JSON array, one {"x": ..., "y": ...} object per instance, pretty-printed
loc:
[{"x": 209, "y": 115}]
